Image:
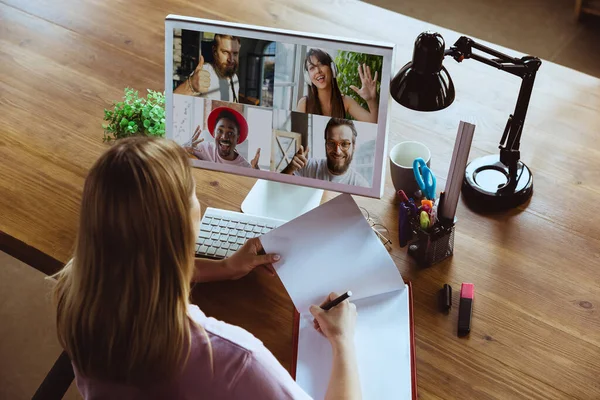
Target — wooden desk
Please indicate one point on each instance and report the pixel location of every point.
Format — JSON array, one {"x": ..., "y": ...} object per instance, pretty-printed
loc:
[{"x": 536, "y": 323}]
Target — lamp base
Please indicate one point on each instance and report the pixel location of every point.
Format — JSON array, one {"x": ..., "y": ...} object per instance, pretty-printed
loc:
[{"x": 487, "y": 185}]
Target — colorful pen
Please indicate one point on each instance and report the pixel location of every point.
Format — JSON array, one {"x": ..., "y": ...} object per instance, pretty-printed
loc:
[
  {"x": 402, "y": 196},
  {"x": 412, "y": 207},
  {"x": 424, "y": 220},
  {"x": 403, "y": 224}
]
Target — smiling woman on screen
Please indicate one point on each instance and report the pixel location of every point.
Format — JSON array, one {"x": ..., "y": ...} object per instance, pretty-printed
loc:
[{"x": 324, "y": 95}]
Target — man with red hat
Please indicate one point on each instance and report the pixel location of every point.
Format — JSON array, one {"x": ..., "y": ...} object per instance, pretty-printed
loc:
[{"x": 229, "y": 128}]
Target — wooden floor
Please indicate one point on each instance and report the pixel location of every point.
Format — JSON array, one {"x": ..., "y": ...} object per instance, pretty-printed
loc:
[
  {"x": 544, "y": 28},
  {"x": 28, "y": 343}
]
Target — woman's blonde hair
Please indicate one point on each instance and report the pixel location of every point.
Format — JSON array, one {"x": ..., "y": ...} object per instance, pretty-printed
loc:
[{"x": 122, "y": 300}]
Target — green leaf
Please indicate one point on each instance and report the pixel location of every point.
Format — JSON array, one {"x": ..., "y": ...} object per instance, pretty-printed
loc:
[
  {"x": 133, "y": 115},
  {"x": 348, "y": 63}
]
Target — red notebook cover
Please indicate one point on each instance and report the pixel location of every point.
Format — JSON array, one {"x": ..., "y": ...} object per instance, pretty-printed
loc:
[{"x": 412, "y": 343}]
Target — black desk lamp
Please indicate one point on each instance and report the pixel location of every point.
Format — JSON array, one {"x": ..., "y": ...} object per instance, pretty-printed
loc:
[{"x": 491, "y": 182}]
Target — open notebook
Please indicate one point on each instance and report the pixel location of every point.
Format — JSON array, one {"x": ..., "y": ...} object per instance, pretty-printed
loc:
[{"x": 333, "y": 249}]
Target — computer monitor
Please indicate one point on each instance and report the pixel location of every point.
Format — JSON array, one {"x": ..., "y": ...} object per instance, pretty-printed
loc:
[{"x": 302, "y": 112}]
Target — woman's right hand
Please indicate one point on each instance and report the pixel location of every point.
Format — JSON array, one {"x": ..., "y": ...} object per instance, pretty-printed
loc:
[
  {"x": 368, "y": 89},
  {"x": 338, "y": 323}
]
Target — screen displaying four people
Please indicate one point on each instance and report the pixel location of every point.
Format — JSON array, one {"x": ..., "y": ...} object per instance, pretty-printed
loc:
[{"x": 280, "y": 107}]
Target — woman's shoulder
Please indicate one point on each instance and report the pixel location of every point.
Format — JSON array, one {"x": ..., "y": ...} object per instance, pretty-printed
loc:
[
  {"x": 225, "y": 336},
  {"x": 235, "y": 351},
  {"x": 302, "y": 103}
]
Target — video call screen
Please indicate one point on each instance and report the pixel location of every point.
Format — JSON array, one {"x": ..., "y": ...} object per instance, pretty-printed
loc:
[{"x": 285, "y": 108}]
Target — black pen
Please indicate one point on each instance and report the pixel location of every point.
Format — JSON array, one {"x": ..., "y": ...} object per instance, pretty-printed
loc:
[{"x": 337, "y": 301}]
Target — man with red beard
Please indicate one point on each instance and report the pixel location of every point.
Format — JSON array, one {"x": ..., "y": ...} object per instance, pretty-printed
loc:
[
  {"x": 340, "y": 145},
  {"x": 229, "y": 128},
  {"x": 217, "y": 80}
]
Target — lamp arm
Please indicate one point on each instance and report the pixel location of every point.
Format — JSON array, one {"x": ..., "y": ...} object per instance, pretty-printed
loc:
[
  {"x": 524, "y": 67},
  {"x": 510, "y": 142},
  {"x": 463, "y": 48}
]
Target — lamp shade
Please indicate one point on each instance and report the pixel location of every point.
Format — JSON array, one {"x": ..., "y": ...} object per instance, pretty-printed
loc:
[{"x": 424, "y": 84}]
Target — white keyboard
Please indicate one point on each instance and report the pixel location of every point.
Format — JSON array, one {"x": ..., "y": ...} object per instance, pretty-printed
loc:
[{"x": 222, "y": 232}]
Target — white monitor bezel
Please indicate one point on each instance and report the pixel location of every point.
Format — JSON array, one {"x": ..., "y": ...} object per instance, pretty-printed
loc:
[{"x": 387, "y": 50}]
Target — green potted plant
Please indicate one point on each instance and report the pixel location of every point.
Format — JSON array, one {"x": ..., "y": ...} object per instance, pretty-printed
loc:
[{"x": 134, "y": 116}]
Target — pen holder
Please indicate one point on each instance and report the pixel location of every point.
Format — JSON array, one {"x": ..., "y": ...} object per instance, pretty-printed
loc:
[{"x": 431, "y": 246}]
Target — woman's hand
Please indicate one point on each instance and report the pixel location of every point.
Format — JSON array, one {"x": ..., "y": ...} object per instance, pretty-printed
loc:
[
  {"x": 368, "y": 90},
  {"x": 336, "y": 324},
  {"x": 239, "y": 264},
  {"x": 248, "y": 257}
]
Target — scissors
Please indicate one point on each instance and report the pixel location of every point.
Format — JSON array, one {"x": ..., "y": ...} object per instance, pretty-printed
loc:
[{"x": 425, "y": 178}]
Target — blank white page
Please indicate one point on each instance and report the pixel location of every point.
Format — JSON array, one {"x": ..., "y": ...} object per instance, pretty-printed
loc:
[
  {"x": 383, "y": 349},
  {"x": 331, "y": 248}
]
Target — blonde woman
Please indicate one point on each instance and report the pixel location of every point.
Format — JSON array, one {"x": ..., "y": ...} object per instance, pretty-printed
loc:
[{"x": 123, "y": 310}]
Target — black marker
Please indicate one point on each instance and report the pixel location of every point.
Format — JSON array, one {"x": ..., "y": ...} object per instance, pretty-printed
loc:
[
  {"x": 445, "y": 298},
  {"x": 337, "y": 301}
]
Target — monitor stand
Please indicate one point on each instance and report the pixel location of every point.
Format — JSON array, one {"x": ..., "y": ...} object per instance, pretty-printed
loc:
[{"x": 280, "y": 200}]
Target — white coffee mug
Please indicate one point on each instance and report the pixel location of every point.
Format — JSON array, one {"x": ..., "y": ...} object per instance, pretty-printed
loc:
[{"x": 402, "y": 156}]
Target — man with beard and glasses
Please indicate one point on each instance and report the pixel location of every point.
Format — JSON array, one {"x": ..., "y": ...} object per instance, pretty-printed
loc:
[
  {"x": 229, "y": 128},
  {"x": 340, "y": 145},
  {"x": 217, "y": 80}
]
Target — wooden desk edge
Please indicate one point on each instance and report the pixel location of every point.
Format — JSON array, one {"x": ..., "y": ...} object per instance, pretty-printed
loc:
[{"x": 29, "y": 255}]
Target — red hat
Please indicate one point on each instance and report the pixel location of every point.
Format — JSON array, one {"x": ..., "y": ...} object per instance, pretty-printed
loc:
[{"x": 241, "y": 121}]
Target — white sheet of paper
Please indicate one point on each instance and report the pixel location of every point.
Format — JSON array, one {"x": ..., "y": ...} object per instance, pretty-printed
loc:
[
  {"x": 331, "y": 249},
  {"x": 382, "y": 346}
]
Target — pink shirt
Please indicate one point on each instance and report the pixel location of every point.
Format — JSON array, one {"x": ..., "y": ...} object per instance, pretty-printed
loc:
[
  {"x": 243, "y": 369},
  {"x": 208, "y": 152}
]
